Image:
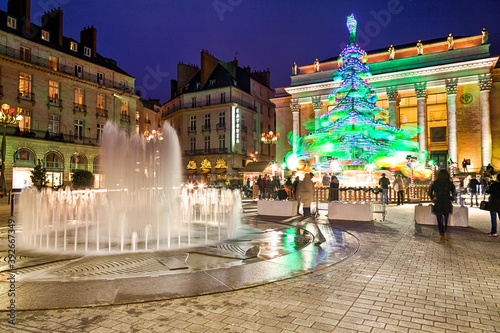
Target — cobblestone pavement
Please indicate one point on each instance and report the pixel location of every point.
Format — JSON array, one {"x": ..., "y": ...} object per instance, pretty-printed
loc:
[{"x": 399, "y": 281}]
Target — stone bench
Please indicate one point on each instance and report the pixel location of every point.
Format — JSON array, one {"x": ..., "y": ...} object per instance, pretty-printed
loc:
[
  {"x": 277, "y": 207},
  {"x": 459, "y": 217},
  {"x": 350, "y": 211}
]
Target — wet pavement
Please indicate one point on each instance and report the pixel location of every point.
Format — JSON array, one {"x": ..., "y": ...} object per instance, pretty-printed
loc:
[{"x": 399, "y": 280}]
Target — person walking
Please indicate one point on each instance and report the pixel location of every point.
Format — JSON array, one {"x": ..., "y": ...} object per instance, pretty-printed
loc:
[
  {"x": 262, "y": 185},
  {"x": 442, "y": 193},
  {"x": 494, "y": 191},
  {"x": 399, "y": 188},
  {"x": 384, "y": 184},
  {"x": 473, "y": 188},
  {"x": 294, "y": 189},
  {"x": 305, "y": 194},
  {"x": 333, "y": 195}
]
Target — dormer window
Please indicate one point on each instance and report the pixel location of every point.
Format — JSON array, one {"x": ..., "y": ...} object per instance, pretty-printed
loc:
[
  {"x": 74, "y": 46},
  {"x": 211, "y": 83},
  {"x": 198, "y": 85},
  {"x": 46, "y": 35},
  {"x": 86, "y": 51},
  {"x": 11, "y": 22}
]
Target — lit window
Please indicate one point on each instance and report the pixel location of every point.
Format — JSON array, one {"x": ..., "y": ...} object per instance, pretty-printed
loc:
[
  {"x": 11, "y": 22},
  {"x": 124, "y": 108},
  {"x": 101, "y": 102},
  {"x": 24, "y": 86},
  {"x": 86, "y": 51},
  {"x": 74, "y": 46},
  {"x": 54, "y": 92},
  {"x": 53, "y": 63},
  {"x": 79, "y": 94},
  {"x": 25, "y": 123},
  {"x": 46, "y": 35}
]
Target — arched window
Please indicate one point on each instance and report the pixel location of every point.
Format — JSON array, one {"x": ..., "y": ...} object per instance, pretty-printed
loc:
[
  {"x": 97, "y": 165},
  {"x": 53, "y": 161},
  {"x": 78, "y": 162},
  {"x": 24, "y": 157}
]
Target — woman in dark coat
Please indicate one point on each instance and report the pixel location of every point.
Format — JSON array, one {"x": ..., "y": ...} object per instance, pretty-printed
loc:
[
  {"x": 334, "y": 189},
  {"x": 442, "y": 193},
  {"x": 494, "y": 191}
]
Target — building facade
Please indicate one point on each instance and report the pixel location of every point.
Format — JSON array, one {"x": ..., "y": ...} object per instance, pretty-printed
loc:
[
  {"x": 447, "y": 87},
  {"x": 147, "y": 116},
  {"x": 66, "y": 91},
  {"x": 220, "y": 111}
]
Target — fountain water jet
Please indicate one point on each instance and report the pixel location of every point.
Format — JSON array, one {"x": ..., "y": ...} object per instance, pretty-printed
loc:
[{"x": 143, "y": 204}]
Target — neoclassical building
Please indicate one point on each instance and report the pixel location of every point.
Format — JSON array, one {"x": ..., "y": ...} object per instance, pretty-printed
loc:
[
  {"x": 448, "y": 87},
  {"x": 66, "y": 91}
]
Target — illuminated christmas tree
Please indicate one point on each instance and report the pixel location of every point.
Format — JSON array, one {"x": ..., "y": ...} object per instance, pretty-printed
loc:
[{"x": 355, "y": 131}]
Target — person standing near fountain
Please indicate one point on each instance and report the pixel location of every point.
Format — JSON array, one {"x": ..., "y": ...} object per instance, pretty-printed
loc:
[
  {"x": 384, "y": 184},
  {"x": 399, "y": 188},
  {"x": 442, "y": 192},
  {"x": 334, "y": 189},
  {"x": 305, "y": 194}
]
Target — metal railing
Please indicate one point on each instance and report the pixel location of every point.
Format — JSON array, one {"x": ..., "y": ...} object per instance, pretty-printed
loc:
[
  {"x": 79, "y": 107},
  {"x": 191, "y": 129},
  {"x": 206, "y": 151},
  {"x": 101, "y": 113},
  {"x": 46, "y": 135},
  {"x": 43, "y": 62},
  {"x": 25, "y": 95},
  {"x": 359, "y": 194},
  {"x": 205, "y": 128},
  {"x": 54, "y": 101},
  {"x": 125, "y": 117},
  {"x": 221, "y": 126}
]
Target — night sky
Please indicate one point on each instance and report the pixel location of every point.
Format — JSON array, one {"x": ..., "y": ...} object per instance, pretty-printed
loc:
[{"x": 151, "y": 36}]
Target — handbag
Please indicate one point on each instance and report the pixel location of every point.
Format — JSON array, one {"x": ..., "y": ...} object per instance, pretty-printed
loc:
[{"x": 485, "y": 205}]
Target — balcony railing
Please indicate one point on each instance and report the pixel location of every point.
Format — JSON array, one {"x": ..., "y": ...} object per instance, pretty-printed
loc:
[
  {"x": 79, "y": 108},
  {"x": 43, "y": 62},
  {"x": 26, "y": 95},
  {"x": 221, "y": 126},
  {"x": 54, "y": 101},
  {"x": 175, "y": 107},
  {"x": 125, "y": 117},
  {"x": 206, "y": 151},
  {"x": 205, "y": 128},
  {"x": 191, "y": 129},
  {"x": 101, "y": 113},
  {"x": 46, "y": 135}
]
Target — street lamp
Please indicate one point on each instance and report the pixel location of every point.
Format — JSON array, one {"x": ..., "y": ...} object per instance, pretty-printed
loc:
[
  {"x": 270, "y": 138},
  {"x": 8, "y": 116},
  {"x": 412, "y": 160}
]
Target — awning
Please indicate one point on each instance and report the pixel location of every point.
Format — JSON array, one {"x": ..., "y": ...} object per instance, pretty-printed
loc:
[
  {"x": 191, "y": 171},
  {"x": 255, "y": 167},
  {"x": 205, "y": 170},
  {"x": 220, "y": 170}
]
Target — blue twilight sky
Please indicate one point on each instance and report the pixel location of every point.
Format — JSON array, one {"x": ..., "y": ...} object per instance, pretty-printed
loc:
[{"x": 149, "y": 37}]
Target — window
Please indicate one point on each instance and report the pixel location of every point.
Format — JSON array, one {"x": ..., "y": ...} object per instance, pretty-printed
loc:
[
  {"x": 46, "y": 35},
  {"x": 100, "y": 131},
  {"x": 244, "y": 145},
  {"x": 101, "y": 102},
  {"x": 124, "y": 108},
  {"x": 208, "y": 100},
  {"x": 100, "y": 78},
  {"x": 192, "y": 123},
  {"x": 207, "y": 143},
  {"x": 223, "y": 98},
  {"x": 24, "y": 86},
  {"x": 74, "y": 46},
  {"x": 78, "y": 130},
  {"x": 193, "y": 102},
  {"x": 25, "y": 53},
  {"x": 77, "y": 162},
  {"x": 86, "y": 51},
  {"x": 53, "y": 63},
  {"x": 54, "y": 92},
  {"x": 255, "y": 128},
  {"x": 222, "y": 118},
  {"x": 79, "y": 96},
  {"x": 11, "y": 22},
  {"x": 211, "y": 83},
  {"x": 25, "y": 123},
  {"x": 192, "y": 144},
  {"x": 53, "y": 160},
  {"x": 222, "y": 141},
  {"x": 53, "y": 124},
  {"x": 23, "y": 154},
  {"x": 207, "y": 120},
  {"x": 78, "y": 71},
  {"x": 438, "y": 134}
]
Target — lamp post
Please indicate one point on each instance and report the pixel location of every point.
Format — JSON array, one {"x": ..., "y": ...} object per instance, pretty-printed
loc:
[
  {"x": 270, "y": 138},
  {"x": 8, "y": 116}
]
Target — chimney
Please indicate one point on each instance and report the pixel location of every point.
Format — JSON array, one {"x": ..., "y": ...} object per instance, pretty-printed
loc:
[
  {"x": 208, "y": 63},
  {"x": 52, "y": 21},
  {"x": 88, "y": 37},
  {"x": 21, "y": 10}
]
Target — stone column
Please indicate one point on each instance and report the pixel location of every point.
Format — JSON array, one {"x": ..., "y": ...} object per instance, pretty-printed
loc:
[
  {"x": 484, "y": 87},
  {"x": 451, "y": 92},
  {"x": 421, "y": 92},
  {"x": 316, "y": 102},
  {"x": 392, "y": 96},
  {"x": 295, "y": 106}
]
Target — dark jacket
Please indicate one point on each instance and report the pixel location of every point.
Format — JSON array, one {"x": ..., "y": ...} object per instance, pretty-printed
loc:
[
  {"x": 442, "y": 192},
  {"x": 384, "y": 182},
  {"x": 494, "y": 191},
  {"x": 473, "y": 184}
]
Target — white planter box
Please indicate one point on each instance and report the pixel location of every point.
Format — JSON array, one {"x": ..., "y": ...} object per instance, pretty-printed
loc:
[
  {"x": 277, "y": 207},
  {"x": 347, "y": 211},
  {"x": 459, "y": 217}
]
